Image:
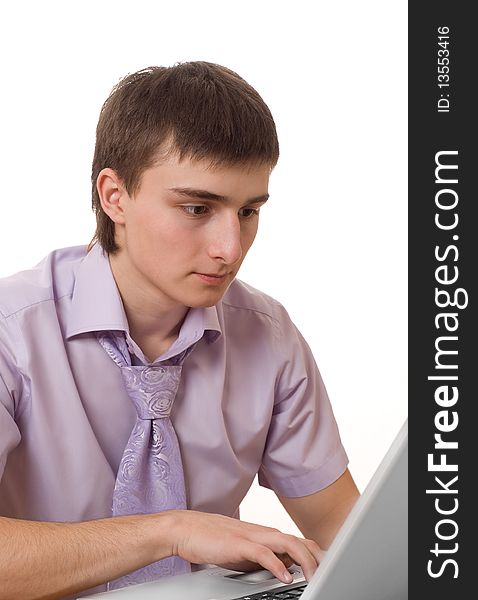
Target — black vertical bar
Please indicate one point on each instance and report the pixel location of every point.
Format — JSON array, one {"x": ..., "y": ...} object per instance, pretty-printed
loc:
[{"x": 443, "y": 234}]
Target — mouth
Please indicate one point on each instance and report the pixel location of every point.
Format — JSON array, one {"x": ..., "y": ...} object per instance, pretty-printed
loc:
[{"x": 213, "y": 278}]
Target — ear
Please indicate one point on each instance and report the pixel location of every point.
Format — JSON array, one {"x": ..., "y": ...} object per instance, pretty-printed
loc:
[{"x": 113, "y": 194}]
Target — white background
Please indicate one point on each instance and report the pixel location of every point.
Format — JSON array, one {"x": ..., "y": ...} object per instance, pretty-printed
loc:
[{"x": 332, "y": 240}]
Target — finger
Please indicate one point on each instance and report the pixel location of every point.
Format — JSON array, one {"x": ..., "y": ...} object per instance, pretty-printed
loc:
[
  {"x": 300, "y": 553},
  {"x": 315, "y": 549},
  {"x": 268, "y": 560},
  {"x": 242, "y": 566},
  {"x": 285, "y": 558}
]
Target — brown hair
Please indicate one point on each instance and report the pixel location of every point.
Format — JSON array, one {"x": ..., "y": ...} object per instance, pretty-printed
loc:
[{"x": 197, "y": 110}]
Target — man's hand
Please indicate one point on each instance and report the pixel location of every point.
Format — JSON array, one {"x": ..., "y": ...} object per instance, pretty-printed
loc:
[
  {"x": 233, "y": 544},
  {"x": 41, "y": 560}
]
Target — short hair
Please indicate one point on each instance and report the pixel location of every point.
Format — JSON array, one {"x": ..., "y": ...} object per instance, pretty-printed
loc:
[{"x": 196, "y": 110}]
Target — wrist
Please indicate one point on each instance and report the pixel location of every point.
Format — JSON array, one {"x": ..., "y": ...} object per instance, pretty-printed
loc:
[{"x": 162, "y": 532}]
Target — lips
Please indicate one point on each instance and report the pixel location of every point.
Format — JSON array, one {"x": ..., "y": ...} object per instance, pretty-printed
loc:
[{"x": 212, "y": 278}]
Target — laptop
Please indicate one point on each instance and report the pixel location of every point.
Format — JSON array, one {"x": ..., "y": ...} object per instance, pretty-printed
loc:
[{"x": 368, "y": 559}]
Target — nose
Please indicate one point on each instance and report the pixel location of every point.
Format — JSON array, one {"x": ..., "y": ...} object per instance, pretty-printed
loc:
[{"x": 226, "y": 243}]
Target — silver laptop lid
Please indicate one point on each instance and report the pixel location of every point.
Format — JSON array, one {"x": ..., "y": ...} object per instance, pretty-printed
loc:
[{"x": 368, "y": 559}]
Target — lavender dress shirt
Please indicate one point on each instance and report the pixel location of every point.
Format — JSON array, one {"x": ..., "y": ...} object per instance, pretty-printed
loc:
[{"x": 250, "y": 400}]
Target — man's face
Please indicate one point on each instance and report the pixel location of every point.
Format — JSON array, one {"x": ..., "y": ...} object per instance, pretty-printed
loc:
[{"x": 188, "y": 228}]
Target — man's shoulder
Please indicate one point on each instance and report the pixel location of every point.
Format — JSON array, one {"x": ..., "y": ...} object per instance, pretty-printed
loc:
[
  {"x": 51, "y": 279},
  {"x": 241, "y": 295}
]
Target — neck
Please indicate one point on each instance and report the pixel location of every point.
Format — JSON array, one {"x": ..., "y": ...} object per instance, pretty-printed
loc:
[{"x": 154, "y": 321}]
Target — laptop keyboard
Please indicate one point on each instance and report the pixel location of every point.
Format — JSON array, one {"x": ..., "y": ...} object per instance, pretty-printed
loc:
[{"x": 277, "y": 594}]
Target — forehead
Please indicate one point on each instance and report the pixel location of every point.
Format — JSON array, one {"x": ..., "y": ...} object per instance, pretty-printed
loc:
[{"x": 245, "y": 181}]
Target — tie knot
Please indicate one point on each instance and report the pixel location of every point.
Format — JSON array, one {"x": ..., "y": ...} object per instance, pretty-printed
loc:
[{"x": 152, "y": 389}]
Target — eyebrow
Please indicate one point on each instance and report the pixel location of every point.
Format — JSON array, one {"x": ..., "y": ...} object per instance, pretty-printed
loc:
[{"x": 205, "y": 195}]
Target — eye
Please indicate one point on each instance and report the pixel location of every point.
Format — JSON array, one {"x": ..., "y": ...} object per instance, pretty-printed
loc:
[
  {"x": 247, "y": 213},
  {"x": 195, "y": 210}
]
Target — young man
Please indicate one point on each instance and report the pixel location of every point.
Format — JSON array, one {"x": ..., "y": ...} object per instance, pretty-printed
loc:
[{"x": 102, "y": 474}]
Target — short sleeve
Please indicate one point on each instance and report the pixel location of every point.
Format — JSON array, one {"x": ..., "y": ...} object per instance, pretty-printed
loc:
[
  {"x": 10, "y": 390},
  {"x": 303, "y": 452}
]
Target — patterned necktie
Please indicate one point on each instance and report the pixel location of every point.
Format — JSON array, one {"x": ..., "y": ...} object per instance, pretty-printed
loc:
[{"x": 150, "y": 477}]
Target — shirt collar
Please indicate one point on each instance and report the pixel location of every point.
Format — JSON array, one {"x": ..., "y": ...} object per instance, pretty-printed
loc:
[{"x": 96, "y": 305}]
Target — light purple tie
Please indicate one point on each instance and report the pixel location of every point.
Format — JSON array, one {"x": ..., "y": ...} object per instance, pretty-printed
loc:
[{"x": 150, "y": 477}]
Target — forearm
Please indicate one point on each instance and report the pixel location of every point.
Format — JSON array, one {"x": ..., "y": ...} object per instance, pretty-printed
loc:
[
  {"x": 319, "y": 516},
  {"x": 324, "y": 530},
  {"x": 51, "y": 560}
]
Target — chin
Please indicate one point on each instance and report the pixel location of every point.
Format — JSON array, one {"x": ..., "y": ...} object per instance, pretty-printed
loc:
[
  {"x": 206, "y": 300},
  {"x": 203, "y": 304}
]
